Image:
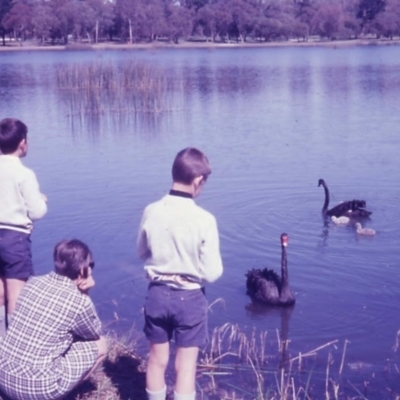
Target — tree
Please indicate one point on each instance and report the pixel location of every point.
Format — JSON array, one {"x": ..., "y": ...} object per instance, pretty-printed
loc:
[
  {"x": 194, "y": 4},
  {"x": 326, "y": 21},
  {"x": 45, "y": 23},
  {"x": 350, "y": 26},
  {"x": 214, "y": 20},
  {"x": 60, "y": 17},
  {"x": 267, "y": 28},
  {"x": 154, "y": 23},
  {"x": 304, "y": 11},
  {"x": 243, "y": 15},
  {"x": 72, "y": 16},
  {"x": 387, "y": 23},
  {"x": 103, "y": 16},
  {"x": 278, "y": 22},
  {"x": 369, "y": 9},
  {"x": 19, "y": 19},
  {"x": 130, "y": 13},
  {"x": 179, "y": 22},
  {"x": 5, "y": 6}
]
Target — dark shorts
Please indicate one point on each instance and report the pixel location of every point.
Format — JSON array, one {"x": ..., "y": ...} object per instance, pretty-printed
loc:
[
  {"x": 178, "y": 314},
  {"x": 15, "y": 255}
]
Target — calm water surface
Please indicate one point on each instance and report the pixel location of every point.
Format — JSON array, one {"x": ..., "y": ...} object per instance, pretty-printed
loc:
[{"x": 272, "y": 121}]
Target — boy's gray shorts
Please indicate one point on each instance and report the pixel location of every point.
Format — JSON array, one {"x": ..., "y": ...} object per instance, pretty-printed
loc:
[
  {"x": 15, "y": 255},
  {"x": 175, "y": 313}
]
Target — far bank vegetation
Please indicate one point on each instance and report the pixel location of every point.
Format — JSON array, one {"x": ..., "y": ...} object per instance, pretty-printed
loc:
[{"x": 48, "y": 22}]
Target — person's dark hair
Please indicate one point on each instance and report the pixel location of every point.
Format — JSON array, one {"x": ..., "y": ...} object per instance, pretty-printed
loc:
[
  {"x": 12, "y": 132},
  {"x": 70, "y": 256},
  {"x": 190, "y": 163}
]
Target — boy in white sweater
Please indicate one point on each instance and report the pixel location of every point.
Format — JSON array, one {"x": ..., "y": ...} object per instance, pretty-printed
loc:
[
  {"x": 180, "y": 245},
  {"x": 20, "y": 204}
]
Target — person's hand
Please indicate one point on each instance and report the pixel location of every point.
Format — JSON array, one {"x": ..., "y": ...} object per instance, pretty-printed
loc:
[{"x": 84, "y": 284}]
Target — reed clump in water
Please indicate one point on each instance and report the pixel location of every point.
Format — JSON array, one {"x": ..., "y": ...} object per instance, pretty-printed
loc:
[
  {"x": 100, "y": 88},
  {"x": 243, "y": 366}
]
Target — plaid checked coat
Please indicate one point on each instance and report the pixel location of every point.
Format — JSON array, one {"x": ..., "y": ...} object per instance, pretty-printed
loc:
[{"x": 50, "y": 344}]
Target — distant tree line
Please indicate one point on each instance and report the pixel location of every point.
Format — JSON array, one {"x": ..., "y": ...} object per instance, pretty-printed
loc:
[{"x": 61, "y": 21}]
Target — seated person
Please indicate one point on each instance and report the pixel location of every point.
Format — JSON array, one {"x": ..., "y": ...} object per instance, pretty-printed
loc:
[{"x": 54, "y": 341}]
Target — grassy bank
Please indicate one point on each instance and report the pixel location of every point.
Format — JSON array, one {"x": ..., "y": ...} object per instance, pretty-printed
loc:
[
  {"x": 121, "y": 377},
  {"x": 24, "y": 46}
]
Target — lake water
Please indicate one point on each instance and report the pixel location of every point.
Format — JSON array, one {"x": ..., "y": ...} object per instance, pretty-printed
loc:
[{"x": 272, "y": 122}]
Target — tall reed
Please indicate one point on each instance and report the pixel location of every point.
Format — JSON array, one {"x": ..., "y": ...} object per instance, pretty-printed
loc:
[
  {"x": 99, "y": 88},
  {"x": 273, "y": 375}
]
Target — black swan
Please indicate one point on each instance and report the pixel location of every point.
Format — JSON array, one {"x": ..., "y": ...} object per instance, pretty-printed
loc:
[
  {"x": 350, "y": 208},
  {"x": 267, "y": 287}
]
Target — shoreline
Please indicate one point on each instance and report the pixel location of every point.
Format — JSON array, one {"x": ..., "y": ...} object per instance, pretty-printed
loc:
[{"x": 12, "y": 46}]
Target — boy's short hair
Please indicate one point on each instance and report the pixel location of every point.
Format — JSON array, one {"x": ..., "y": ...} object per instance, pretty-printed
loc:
[
  {"x": 190, "y": 163},
  {"x": 70, "y": 257},
  {"x": 12, "y": 132}
]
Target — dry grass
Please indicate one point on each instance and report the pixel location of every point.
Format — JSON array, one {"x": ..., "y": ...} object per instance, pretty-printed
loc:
[
  {"x": 241, "y": 366},
  {"x": 122, "y": 376}
]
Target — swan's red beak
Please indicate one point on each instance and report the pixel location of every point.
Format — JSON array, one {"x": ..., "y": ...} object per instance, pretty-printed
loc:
[{"x": 284, "y": 239}]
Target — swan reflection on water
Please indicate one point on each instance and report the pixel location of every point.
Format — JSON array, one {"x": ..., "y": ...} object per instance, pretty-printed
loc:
[
  {"x": 257, "y": 309},
  {"x": 325, "y": 232}
]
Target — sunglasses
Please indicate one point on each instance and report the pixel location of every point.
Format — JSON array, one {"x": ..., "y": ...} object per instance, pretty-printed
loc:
[{"x": 85, "y": 271}]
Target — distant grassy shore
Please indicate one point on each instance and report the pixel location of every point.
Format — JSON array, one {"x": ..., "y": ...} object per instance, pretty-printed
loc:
[{"x": 24, "y": 46}]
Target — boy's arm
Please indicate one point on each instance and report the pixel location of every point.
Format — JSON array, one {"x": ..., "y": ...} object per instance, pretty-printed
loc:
[
  {"x": 141, "y": 244},
  {"x": 87, "y": 324},
  {"x": 34, "y": 200},
  {"x": 210, "y": 255}
]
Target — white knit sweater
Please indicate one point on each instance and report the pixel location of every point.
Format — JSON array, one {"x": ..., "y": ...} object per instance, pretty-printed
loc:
[
  {"x": 179, "y": 242},
  {"x": 20, "y": 199}
]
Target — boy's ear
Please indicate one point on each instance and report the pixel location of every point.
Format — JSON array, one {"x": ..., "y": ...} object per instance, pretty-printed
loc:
[
  {"x": 23, "y": 145},
  {"x": 198, "y": 180}
]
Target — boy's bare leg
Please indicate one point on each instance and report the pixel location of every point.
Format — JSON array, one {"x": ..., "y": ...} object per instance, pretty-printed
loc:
[
  {"x": 13, "y": 289},
  {"x": 2, "y": 307},
  {"x": 185, "y": 366},
  {"x": 2, "y": 291},
  {"x": 156, "y": 366}
]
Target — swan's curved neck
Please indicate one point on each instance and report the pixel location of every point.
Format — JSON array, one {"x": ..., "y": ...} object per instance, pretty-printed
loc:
[
  {"x": 326, "y": 203},
  {"x": 284, "y": 271}
]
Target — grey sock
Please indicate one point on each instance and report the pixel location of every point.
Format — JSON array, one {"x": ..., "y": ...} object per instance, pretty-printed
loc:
[
  {"x": 160, "y": 395},
  {"x": 178, "y": 396}
]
